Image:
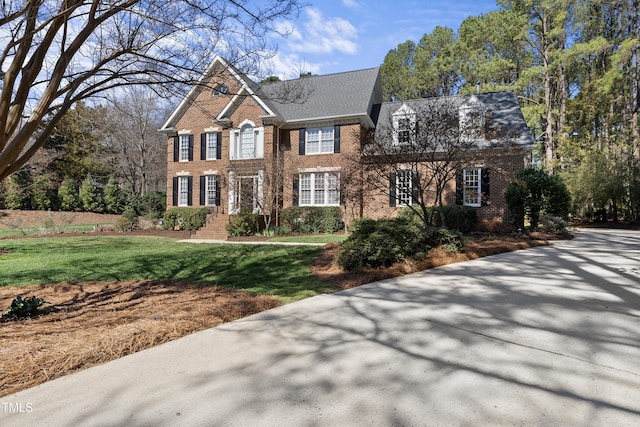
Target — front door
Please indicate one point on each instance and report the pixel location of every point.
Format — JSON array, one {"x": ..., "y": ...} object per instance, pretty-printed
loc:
[
  {"x": 246, "y": 191},
  {"x": 246, "y": 194}
]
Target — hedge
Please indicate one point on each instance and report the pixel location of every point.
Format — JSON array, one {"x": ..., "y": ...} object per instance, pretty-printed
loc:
[{"x": 185, "y": 218}]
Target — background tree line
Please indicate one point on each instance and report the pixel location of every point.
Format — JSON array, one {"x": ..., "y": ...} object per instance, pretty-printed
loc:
[
  {"x": 99, "y": 158},
  {"x": 573, "y": 64}
]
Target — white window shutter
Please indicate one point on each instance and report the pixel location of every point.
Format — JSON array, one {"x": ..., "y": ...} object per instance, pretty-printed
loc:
[
  {"x": 234, "y": 137},
  {"x": 232, "y": 193},
  {"x": 259, "y": 143},
  {"x": 260, "y": 191}
]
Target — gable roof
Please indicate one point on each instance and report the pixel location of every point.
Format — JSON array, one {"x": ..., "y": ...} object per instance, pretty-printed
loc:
[
  {"x": 331, "y": 96},
  {"x": 247, "y": 88},
  {"x": 505, "y": 113}
]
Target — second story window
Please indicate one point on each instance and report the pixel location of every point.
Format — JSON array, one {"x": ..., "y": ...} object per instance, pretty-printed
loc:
[
  {"x": 404, "y": 130},
  {"x": 320, "y": 140},
  {"x": 212, "y": 145},
  {"x": 184, "y": 148},
  {"x": 404, "y": 123},
  {"x": 247, "y": 142},
  {"x": 220, "y": 90}
]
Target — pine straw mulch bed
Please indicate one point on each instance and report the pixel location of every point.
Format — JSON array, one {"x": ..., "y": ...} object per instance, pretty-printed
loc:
[{"x": 86, "y": 324}]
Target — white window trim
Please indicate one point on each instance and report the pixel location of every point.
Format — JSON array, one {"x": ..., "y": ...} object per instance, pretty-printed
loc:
[
  {"x": 465, "y": 189},
  {"x": 208, "y": 180},
  {"x": 183, "y": 191},
  {"x": 235, "y": 149},
  {"x": 211, "y": 139},
  {"x": 182, "y": 152},
  {"x": 329, "y": 149},
  {"x": 312, "y": 190},
  {"x": 400, "y": 201},
  {"x": 403, "y": 112},
  {"x": 258, "y": 180}
]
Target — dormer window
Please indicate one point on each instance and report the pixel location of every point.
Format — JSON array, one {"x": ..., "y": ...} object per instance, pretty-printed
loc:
[
  {"x": 404, "y": 123},
  {"x": 472, "y": 119},
  {"x": 220, "y": 90}
]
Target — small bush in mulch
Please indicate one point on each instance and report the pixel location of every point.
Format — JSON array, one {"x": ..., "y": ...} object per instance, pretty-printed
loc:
[{"x": 21, "y": 308}]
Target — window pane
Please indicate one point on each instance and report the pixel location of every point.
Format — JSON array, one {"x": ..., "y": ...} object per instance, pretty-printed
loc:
[
  {"x": 404, "y": 187},
  {"x": 247, "y": 142},
  {"x": 212, "y": 142},
  {"x": 184, "y": 148},
  {"x": 326, "y": 140},
  {"x": 211, "y": 190},
  {"x": 472, "y": 187},
  {"x": 305, "y": 189},
  {"x": 183, "y": 191},
  {"x": 313, "y": 141},
  {"x": 333, "y": 189},
  {"x": 319, "y": 187}
]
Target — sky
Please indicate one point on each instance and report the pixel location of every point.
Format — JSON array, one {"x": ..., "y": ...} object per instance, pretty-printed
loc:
[{"x": 332, "y": 36}]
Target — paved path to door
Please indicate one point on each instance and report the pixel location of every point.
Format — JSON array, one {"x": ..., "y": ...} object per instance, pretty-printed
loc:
[{"x": 546, "y": 337}]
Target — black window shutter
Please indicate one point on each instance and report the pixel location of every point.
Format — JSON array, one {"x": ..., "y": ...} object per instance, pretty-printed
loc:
[
  {"x": 203, "y": 146},
  {"x": 203, "y": 189},
  {"x": 190, "y": 148},
  {"x": 190, "y": 188},
  {"x": 217, "y": 191},
  {"x": 296, "y": 186},
  {"x": 392, "y": 189},
  {"x": 176, "y": 148},
  {"x": 218, "y": 145},
  {"x": 301, "y": 142},
  {"x": 485, "y": 186},
  {"x": 336, "y": 139},
  {"x": 415, "y": 187},
  {"x": 175, "y": 191},
  {"x": 459, "y": 188}
]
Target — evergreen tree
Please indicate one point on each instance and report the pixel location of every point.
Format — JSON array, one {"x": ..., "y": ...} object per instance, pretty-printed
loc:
[
  {"x": 90, "y": 197},
  {"x": 68, "y": 196}
]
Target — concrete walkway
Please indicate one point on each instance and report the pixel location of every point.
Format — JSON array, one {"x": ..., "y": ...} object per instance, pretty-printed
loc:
[{"x": 549, "y": 336}]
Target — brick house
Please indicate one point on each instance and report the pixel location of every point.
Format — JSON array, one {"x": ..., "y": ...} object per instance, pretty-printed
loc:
[{"x": 235, "y": 145}]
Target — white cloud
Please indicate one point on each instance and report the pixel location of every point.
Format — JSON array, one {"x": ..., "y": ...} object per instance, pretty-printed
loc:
[
  {"x": 289, "y": 66},
  {"x": 351, "y": 3},
  {"x": 320, "y": 34}
]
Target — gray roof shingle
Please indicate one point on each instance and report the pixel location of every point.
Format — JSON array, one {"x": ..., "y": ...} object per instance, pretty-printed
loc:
[
  {"x": 505, "y": 114},
  {"x": 352, "y": 93}
]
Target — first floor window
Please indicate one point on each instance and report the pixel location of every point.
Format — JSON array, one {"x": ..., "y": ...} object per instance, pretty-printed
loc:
[
  {"x": 404, "y": 188},
  {"x": 472, "y": 186},
  {"x": 211, "y": 189},
  {"x": 320, "y": 189},
  {"x": 183, "y": 191}
]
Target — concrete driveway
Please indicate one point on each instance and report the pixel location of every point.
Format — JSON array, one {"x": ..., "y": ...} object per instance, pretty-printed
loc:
[{"x": 546, "y": 337}]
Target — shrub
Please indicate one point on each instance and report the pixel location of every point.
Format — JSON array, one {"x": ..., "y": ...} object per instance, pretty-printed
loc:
[
  {"x": 537, "y": 193},
  {"x": 152, "y": 205},
  {"x": 312, "y": 219},
  {"x": 68, "y": 195},
  {"x": 245, "y": 224},
  {"x": 185, "y": 218},
  {"x": 552, "y": 223},
  {"x": 382, "y": 243},
  {"x": 128, "y": 221},
  {"x": 22, "y": 308},
  {"x": 90, "y": 197},
  {"x": 457, "y": 217}
]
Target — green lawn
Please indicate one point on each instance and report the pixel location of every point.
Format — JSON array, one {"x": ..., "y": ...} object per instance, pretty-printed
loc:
[
  {"x": 316, "y": 238},
  {"x": 283, "y": 271},
  {"x": 35, "y": 230}
]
